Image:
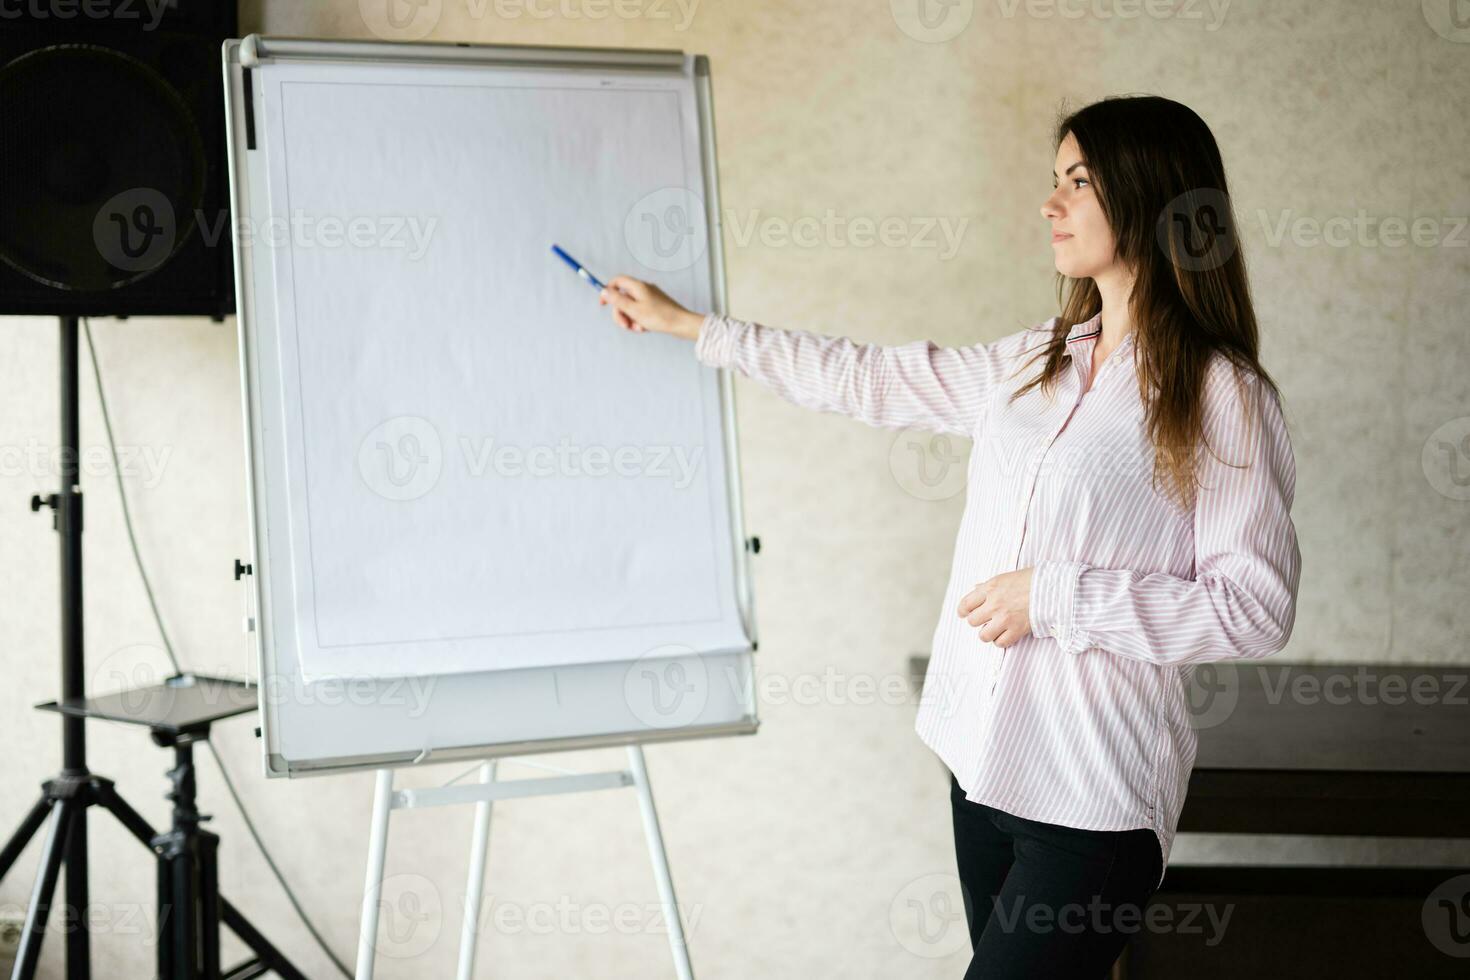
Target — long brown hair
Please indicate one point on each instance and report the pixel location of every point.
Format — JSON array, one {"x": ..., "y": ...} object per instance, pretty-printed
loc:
[{"x": 1156, "y": 170}]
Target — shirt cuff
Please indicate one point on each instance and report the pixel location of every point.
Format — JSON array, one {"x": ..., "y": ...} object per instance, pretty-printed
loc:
[
  {"x": 1054, "y": 600},
  {"x": 715, "y": 345}
]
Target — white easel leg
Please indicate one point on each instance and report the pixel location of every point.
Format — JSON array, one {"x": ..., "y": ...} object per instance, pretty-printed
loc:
[
  {"x": 660, "y": 864},
  {"x": 475, "y": 887},
  {"x": 372, "y": 888}
]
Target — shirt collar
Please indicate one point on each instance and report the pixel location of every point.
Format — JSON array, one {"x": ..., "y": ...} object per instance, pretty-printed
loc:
[
  {"x": 1082, "y": 339},
  {"x": 1087, "y": 328},
  {"x": 1091, "y": 330}
]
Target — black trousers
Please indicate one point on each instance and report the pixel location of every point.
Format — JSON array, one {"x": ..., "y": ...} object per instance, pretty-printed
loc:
[{"x": 1047, "y": 901}]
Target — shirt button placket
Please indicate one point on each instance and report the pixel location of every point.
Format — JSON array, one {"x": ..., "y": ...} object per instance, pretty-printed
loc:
[{"x": 1031, "y": 476}]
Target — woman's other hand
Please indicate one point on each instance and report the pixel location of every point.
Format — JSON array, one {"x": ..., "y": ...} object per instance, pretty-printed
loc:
[
  {"x": 641, "y": 306},
  {"x": 1001, "y": 607}
]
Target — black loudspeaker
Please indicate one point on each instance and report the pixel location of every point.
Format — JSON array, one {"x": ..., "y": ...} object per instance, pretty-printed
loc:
[{"x": 114, "y": 183}]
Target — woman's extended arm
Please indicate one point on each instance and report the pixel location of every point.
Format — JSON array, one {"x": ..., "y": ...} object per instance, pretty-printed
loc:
[
  {"x": 941, "y": 389},
  {"x": 1242, "y": 601}
]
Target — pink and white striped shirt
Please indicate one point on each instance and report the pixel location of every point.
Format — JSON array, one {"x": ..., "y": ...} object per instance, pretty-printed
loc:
[{"x": 1084, "y": 723}]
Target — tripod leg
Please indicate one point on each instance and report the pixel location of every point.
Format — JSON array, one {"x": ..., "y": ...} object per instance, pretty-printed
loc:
[
  {"x": 251, "y": 937},
  {"x": 24, "y": 833},
  {"x": 167, "y": 909},
  {"x": 475, "y": 885},
  {"x": 184, "y": 936},
  {"x": 209, "y": 905},
  {"x": 660, "y": 858},
  {"x": 126, "y": 815},
  {"x": 74, "y": 906},
  {"x": 372, "y": 889},
  {"x": 51, "y": 856}
]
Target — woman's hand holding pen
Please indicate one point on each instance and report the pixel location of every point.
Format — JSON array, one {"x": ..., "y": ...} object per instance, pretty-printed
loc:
[
  {"x": 1001, "y": 607},
  {"x": 641, "y": 306}
]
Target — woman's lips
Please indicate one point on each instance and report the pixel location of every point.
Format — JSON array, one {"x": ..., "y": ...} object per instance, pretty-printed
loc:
[{"x": 1056, "y": 237}]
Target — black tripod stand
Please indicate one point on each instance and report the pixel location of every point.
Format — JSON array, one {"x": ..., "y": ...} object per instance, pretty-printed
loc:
[{"x": 67, "y": 797}]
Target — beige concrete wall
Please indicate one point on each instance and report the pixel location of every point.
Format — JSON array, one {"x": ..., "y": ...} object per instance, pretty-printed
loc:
[{"x": 797, "y": 852}]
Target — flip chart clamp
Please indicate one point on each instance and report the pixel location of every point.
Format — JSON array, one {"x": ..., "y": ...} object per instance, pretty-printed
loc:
[{"x": 483, "y": 794}]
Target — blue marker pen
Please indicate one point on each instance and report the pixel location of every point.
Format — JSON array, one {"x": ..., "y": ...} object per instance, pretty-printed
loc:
[{"x": 578, "y": 267}]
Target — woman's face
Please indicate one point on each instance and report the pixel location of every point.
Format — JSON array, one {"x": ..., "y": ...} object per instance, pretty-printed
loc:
[{"x": 1081, "y": 241}]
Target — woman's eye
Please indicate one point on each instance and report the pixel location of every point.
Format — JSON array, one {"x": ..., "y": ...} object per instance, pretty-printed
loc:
[{"x": 1079, "y": 180}]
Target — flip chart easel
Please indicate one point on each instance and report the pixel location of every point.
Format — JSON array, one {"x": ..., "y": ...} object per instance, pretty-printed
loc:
[{"x": 317, "y": 720}]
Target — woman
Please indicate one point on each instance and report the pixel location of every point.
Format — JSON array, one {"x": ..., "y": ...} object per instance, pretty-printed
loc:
[{"x": 1127, "y": 516}]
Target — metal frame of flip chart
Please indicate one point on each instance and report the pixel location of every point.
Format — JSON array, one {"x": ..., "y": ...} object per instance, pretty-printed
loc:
[
  {"x": 290, "y": 723},
  {"x": 482, "y": 795}
]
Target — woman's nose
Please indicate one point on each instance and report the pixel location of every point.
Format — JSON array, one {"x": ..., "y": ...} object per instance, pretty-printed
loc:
[{"x": 1052, "y": 208}]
